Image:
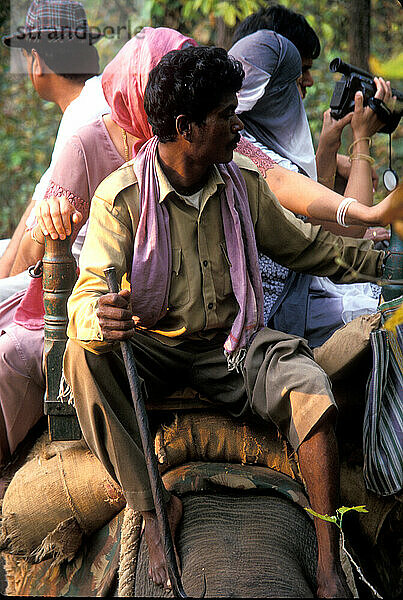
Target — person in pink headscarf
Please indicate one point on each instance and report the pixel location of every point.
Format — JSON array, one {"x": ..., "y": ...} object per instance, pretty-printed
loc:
[
  {"x": 92, "y": 154},
  {"x": 122, "y": 132}
]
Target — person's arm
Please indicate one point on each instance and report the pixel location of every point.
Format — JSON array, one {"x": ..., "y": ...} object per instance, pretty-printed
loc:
[
  {"x": 364, "y": 123},
  {"x": 344, "y": 170},
  {"x": 109, "y": 242},
  {"x": 54, "y": 215},
  {"x": 9, "y": 256},
  {"x": 306, "y": 248},
  {"x": 329, "y": 144},
  {"x": 303, "y": 196}
]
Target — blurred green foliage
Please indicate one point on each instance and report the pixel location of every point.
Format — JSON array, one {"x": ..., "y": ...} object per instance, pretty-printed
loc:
[{"x": 28, "y": 125}]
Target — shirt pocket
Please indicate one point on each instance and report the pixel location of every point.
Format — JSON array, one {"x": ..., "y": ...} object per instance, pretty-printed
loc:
[
  {"x": 224, "y": 285},
  {"x": 179, "y": 292}
]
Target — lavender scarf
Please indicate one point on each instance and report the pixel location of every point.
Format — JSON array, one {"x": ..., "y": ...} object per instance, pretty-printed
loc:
[{"x": 151, "y": 268}]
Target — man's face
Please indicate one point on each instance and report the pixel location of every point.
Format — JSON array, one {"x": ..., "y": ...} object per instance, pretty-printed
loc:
[
  {"x": 306, "y": 79},
  {"x": 35, "y": 70},
  {"x": 216, "y": 139}
]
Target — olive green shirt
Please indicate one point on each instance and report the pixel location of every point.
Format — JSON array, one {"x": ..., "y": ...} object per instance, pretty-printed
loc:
[{"x": 201, "y": 301}]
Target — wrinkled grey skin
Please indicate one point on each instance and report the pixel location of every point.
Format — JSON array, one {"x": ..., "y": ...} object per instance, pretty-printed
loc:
[{"x": 249, "y": 545}]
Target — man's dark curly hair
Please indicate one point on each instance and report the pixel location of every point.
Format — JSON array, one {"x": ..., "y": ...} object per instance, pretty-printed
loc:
[
  {"x": 191, "y": 82},
  {"x": 288, "y": 23}
]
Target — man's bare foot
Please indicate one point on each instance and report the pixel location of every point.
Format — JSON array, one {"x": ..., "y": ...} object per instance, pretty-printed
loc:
[
  {"x": 157, "y": 568},
  {"x": 332, "y": 583}
]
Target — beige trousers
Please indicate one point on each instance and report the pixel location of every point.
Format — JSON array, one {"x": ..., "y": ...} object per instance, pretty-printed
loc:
[{"x": 280, "y": 383}]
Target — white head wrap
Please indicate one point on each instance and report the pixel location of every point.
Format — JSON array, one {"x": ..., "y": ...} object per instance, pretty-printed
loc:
[{"x": 269, "y": 103}]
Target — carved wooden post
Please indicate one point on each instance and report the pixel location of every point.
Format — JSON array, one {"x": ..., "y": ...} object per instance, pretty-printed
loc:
[
  {"x": 394, "y": 267},
  {"x": 59, "y": 274}
]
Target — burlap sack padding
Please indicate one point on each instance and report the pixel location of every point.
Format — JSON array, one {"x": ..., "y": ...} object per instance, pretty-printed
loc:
[
  {"x": 211, "y": 436},
  {"x": 55, "y": 498},
  {"x": 339, "y": 354}
]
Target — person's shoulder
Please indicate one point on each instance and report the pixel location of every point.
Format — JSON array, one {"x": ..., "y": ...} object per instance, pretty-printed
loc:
[
  {"x": 116, "y": 182},
  {"x": 245, "y": 163},
  {"x": 87, "y": 132}
]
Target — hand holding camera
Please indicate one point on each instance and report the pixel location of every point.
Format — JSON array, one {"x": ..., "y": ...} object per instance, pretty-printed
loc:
[
  {"x": 365, "y": 122},
  {"x": 357, "y": 80}
]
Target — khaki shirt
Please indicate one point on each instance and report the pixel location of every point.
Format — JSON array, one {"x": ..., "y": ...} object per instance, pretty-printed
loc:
[{"x": 201, "y": 301}]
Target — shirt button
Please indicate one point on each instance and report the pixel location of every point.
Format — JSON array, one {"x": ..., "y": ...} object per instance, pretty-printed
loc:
[
  {"x": 205, "y": 263},
  {"x": 210, "y": 305}
]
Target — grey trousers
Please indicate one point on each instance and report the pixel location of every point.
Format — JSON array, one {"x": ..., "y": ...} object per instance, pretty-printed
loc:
[{"x": 281, "y": 383}]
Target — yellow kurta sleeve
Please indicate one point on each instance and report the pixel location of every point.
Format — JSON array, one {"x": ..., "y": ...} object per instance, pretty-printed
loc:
[{"x": 109, "y": 242}]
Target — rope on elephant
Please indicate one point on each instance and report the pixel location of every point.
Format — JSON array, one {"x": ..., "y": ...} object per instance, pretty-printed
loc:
[{"x": 129, "y": 546}]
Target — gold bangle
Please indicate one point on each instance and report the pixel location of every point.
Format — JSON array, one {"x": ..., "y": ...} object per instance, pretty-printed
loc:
[
  {"x": 35, "y": 239},
  {"x": 359, "y": 140},
  {"x": 366, "y": 157}
]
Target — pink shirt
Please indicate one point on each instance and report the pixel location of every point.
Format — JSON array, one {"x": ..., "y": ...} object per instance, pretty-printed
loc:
[{"x": 87, "y": 158}]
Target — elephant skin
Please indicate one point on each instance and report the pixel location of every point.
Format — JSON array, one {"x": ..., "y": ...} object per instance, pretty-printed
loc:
[{"x": 247, "y": 545}]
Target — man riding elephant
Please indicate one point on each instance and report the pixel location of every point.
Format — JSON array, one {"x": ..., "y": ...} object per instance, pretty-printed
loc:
[{"x": 184, "y": 220}]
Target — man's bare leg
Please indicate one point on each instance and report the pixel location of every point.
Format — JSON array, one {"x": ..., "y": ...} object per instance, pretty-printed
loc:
[
  {"x": 319, "y": 463},
  {"x": 157, "y": 568}
]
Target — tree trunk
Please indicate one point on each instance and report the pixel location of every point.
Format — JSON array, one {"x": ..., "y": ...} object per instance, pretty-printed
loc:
[
  {"x": 360, "y": 32},
  {"x": 223, "y": 34}
]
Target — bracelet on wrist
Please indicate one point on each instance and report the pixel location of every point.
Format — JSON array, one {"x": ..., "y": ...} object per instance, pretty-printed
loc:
[
  {"x": 359, "y": 156},
  {"x": 368, "y": 139},
  {"x": 342, "y": 211}
]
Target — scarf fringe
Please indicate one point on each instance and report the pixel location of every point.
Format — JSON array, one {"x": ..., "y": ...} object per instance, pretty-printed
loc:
[
  {"x": 235, "y": 360},
  {"x": 65, "y": 392}
]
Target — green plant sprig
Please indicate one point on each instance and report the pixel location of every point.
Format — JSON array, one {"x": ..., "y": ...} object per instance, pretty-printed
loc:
[{"x": 337, "y": 519}]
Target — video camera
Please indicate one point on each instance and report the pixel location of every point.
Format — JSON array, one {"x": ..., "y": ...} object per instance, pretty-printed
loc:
[{"x": 357, "y": 80}]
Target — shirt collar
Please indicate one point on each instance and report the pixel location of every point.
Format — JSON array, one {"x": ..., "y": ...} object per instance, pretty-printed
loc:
[{"x": 213, "y": 183}]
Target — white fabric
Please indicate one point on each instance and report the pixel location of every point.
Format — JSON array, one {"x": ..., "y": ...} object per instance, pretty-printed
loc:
[
  {"x": 193, "y": 199},
  {"x": 253, "y": 88},
  {"x": 79, "y": 241},
  {"x": 3, "y": 245},
  {"x": 269, "y": 102},
  {"x": 11, "y": 285},
  {"x": 357, "y": 298},
  {"x": 14, "y": 284}
]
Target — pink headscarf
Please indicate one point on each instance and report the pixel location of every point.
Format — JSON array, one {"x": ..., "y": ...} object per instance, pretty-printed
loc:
[{"x": 125, "y": 78}]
